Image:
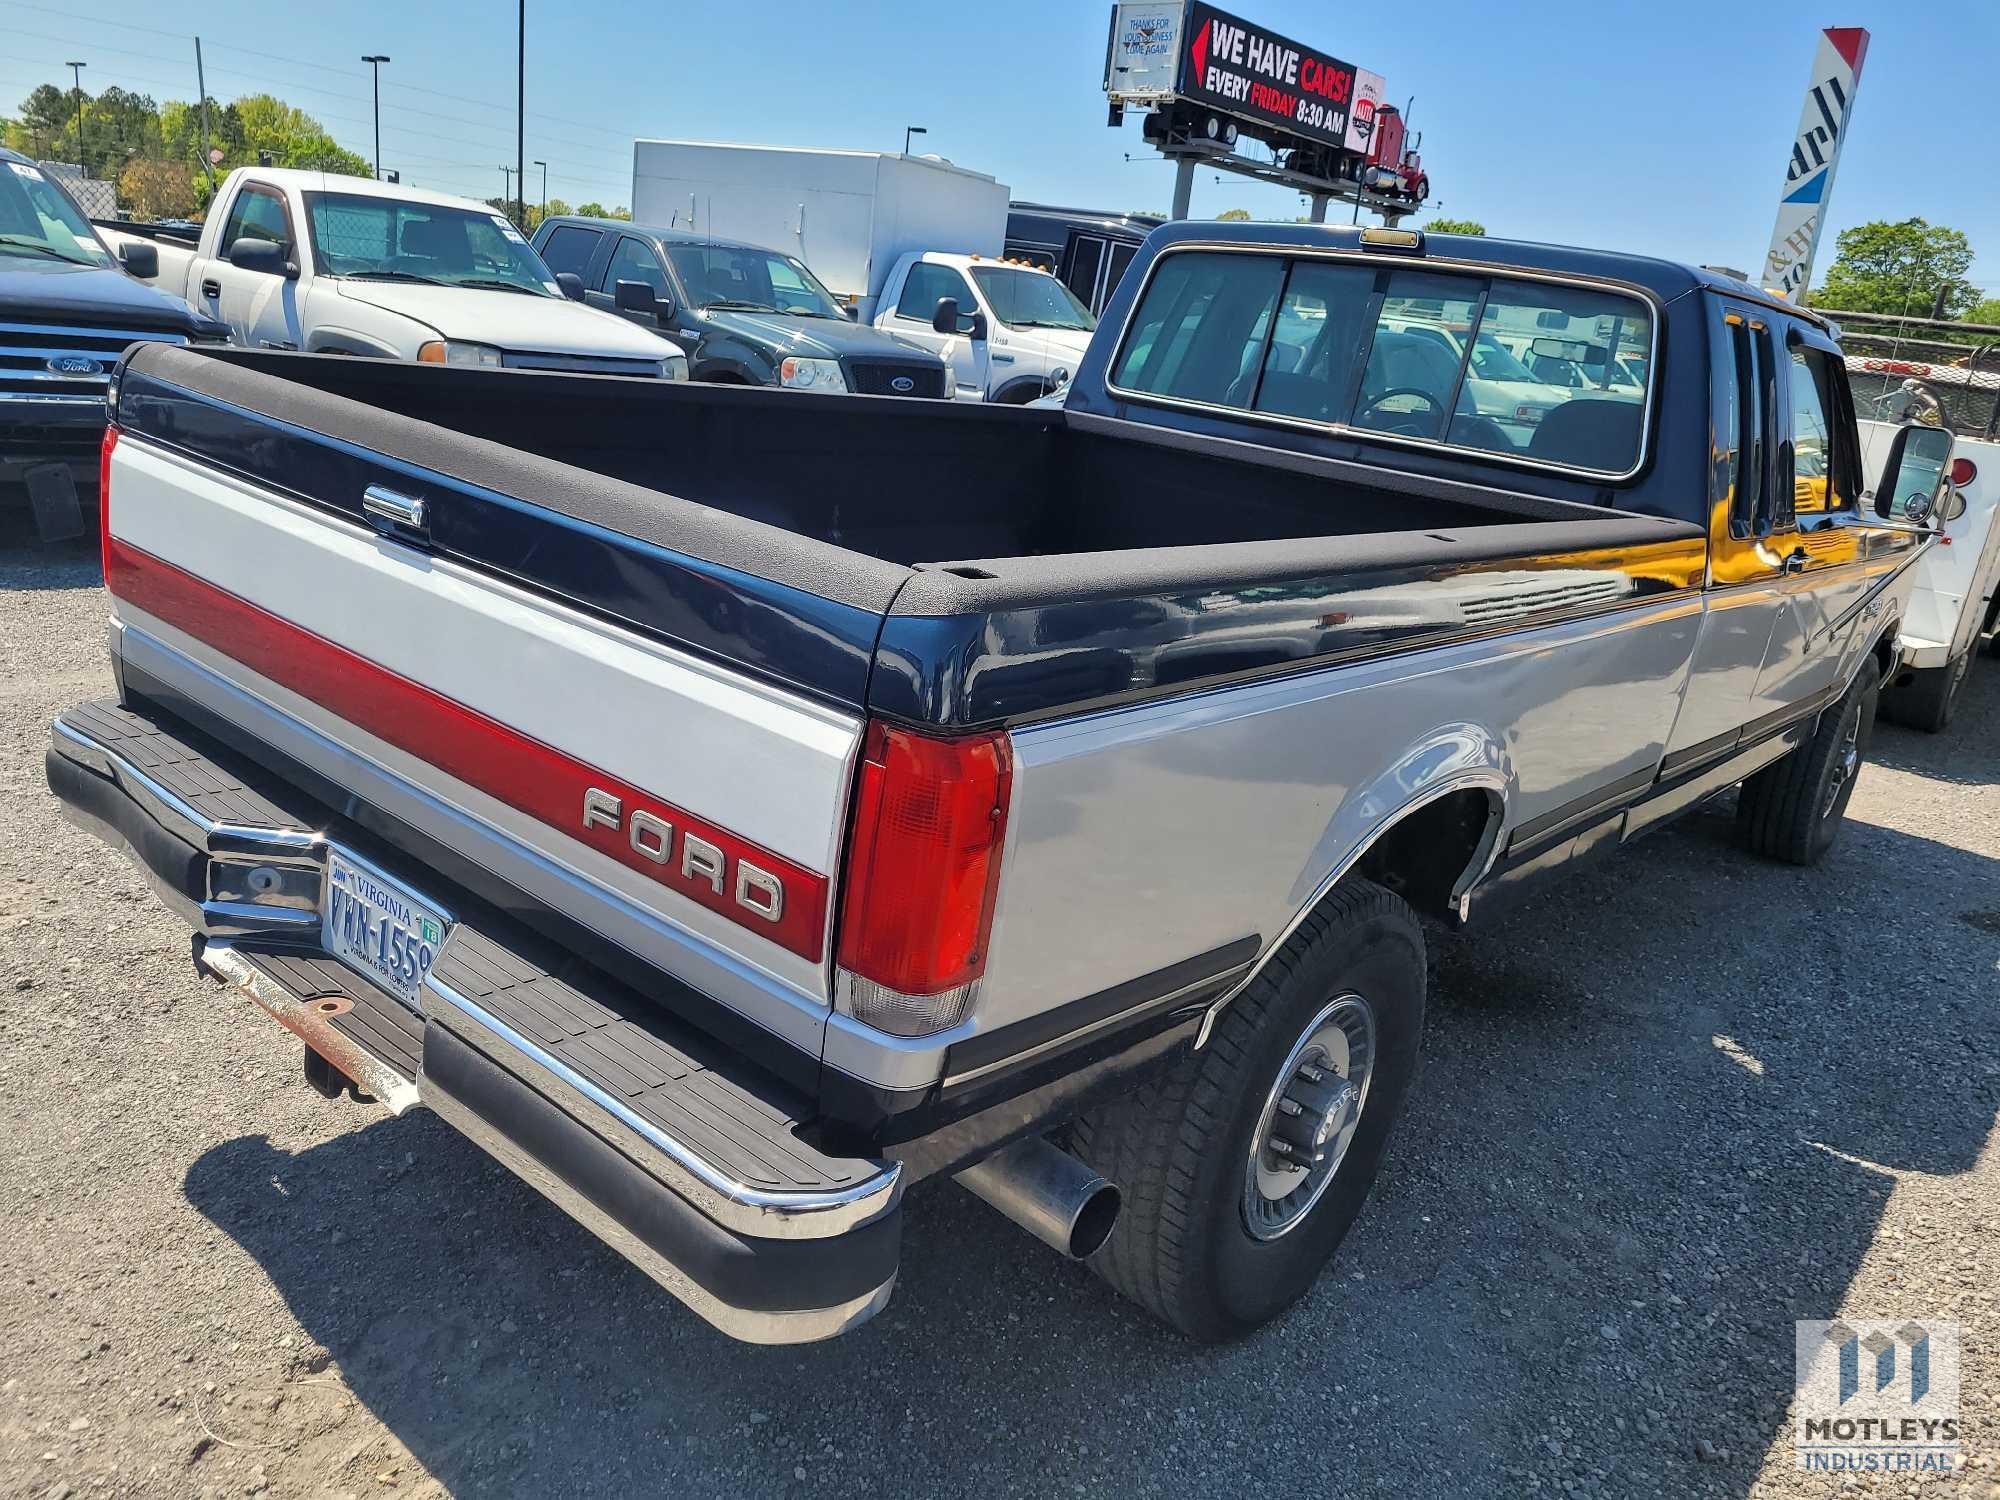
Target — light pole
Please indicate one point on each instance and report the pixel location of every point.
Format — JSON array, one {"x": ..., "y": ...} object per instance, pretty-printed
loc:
[
  {"x": 908, "y": 131},
  {"x": 521, "y": 111},
  {"x": 545, "y": 187},
  {"x": 76, "y": 72},
  {"x": 375, "y": 60},
  {"x": 506, "y": 186}
]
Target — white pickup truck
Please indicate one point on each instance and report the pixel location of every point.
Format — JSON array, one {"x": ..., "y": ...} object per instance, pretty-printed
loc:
[
  {"x": 1955, "y": 601},
  {"x": 1013, "y": 333},
  {"x": 345, "y": 265}
]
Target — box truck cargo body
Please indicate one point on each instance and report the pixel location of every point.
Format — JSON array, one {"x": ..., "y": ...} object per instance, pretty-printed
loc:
[{"x": 850, "y": 215}]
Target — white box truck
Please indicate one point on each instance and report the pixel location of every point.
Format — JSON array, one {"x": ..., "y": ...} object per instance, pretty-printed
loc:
[{"x": 850, "y": 215}]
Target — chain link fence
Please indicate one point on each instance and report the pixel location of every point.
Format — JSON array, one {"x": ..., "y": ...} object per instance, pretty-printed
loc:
[
  {"x": 96, "y": 197},
  {"x": 1894, "y": 364}
]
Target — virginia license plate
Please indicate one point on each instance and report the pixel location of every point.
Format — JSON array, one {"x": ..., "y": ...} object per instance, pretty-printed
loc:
[{"x": 376, "y": 927}]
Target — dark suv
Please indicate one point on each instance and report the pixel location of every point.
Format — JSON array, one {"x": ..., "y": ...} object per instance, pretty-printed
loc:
[{"x": 745, "y": 315}]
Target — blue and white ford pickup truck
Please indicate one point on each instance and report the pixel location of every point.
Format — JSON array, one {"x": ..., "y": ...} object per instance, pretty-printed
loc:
[{"x": 729, "y": 807}]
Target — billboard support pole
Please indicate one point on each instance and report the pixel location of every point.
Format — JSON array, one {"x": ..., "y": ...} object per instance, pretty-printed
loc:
[
  {"x": 1319, "y": 208},
  {"x": 1183, "y": 186}
]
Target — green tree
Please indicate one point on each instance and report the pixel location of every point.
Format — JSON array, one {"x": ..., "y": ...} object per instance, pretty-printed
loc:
[
  {"x": 47, "y": 118},
  {"x": 599, "y": 211},
  {"x": 1904, "y": 267},
  {"x": 1455, "y": 226},
  {"x": 1233, "y": 216}
]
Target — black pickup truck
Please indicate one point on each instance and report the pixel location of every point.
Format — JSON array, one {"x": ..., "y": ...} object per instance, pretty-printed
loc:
[
  {"x": 68, "y": 309},
  {"x": 728, "y": 807},
  {"x": 745, "y": 315}
]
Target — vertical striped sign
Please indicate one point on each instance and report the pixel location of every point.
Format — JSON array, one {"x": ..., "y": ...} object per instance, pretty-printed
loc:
[{"x": 1836, "y": 70}]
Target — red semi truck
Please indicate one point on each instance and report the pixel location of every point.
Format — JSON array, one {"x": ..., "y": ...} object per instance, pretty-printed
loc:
[{"x": 1394, "y": 165}]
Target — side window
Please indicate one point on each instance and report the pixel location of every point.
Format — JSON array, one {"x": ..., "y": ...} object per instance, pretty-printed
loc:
[
  {"x": 634, "y": 260},
  {"x": 256, "y": 215},
  {"x": 926, "y": 284},
  {"x": 1744, "y": 436},
  {"x": 569, "y": 248},
  {"x": 1819, "y": 466},
  {"x": 1086, "y": 259},
  {"x": 1199, "y": 330},
  {"x": 1757, "y": 511},
  {"x": 1411, "y": 380},
  {"x": 1121, "y": 259}
]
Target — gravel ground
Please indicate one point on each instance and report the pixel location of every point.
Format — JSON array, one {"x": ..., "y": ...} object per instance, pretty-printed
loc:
[{"x": 1663, "y": 1113}]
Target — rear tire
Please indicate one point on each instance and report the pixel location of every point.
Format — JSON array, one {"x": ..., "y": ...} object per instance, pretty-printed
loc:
[
  {"x": 1792, "y": 810},
  {"x": 1206, "y": 1242},
  {"x": 1927, "y": 699}
]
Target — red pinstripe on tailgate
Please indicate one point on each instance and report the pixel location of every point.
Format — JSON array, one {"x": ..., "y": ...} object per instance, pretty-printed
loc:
[{"x": 526, "y": 774}]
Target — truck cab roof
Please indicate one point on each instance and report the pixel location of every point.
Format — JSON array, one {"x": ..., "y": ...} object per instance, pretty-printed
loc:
[
  {"x": 306, "y": 180},
  {"x": 1664, "y": 279}
]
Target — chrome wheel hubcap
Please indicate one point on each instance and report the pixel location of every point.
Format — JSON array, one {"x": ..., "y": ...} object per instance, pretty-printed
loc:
[{"x": 1309, "y": 1117}]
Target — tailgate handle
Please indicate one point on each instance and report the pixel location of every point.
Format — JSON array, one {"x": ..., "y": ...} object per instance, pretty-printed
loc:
[{"x": 403, "y": 512}]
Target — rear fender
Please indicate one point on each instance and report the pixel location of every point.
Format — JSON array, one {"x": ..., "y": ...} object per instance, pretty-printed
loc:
[{"x": 1455, "y": 758}]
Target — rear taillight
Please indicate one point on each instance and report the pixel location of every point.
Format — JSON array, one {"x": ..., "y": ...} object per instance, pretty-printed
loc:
[
  {"x": 922, "y": 869},
  {"x": 104, "y": 499},
  {"x": 1963, "y": 472}
]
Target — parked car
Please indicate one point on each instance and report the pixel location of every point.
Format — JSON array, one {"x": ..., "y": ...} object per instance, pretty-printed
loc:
[
  {"x": 346, "y": 265},
  {"x": 69, "y": 305},
  {"x": 1955, "y": 601},
  {"x": 730, "y": 807},
  {"x": 1088, "y": 250},
  {"x": 745, "y": 315},
  {"x": 1010, "y": 331}
]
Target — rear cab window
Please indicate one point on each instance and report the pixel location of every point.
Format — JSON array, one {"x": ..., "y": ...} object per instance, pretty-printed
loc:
[{"x": 1538, "y": 372}]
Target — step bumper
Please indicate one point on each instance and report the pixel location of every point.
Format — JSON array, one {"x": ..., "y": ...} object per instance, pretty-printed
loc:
[{"x": 676, "y": 1152}]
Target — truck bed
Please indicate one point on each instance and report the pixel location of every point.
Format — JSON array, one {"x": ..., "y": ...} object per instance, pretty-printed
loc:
[{"x": 1054, "y": 558}]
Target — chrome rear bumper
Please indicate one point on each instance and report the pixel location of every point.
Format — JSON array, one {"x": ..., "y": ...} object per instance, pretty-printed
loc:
[{"x": 678, "y": 1155}]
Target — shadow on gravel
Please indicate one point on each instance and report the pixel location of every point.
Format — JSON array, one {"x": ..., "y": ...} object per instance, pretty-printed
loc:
[
  {"x": 1967, "y": 753},
  {"x": 27, "y": 565},
  {"x": 1650, "y": 1133}
]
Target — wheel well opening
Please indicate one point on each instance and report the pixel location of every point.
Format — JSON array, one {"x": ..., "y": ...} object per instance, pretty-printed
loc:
[
  {"x": 1885, "y": 654},
  {"x": 1423, "y": 858}
]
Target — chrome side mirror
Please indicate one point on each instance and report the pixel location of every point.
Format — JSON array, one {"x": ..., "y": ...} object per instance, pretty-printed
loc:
[{"x": 1914, "y": 479}]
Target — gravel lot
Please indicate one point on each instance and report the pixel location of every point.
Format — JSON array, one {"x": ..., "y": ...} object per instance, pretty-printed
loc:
[{"x": 1662, "y": 1114}]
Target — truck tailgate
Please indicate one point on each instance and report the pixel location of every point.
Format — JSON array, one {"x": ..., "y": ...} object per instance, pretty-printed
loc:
[{"x": 688, "y": 813}]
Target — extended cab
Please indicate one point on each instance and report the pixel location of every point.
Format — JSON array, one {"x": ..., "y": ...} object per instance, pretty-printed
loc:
[
  {"x": 69, "y": 307},
  {"x": 730, "y": 806},
  {"x": 745, "y": 315},
  {"x": 1011, "y": 332},
  {"x": 345, "y": 265}
]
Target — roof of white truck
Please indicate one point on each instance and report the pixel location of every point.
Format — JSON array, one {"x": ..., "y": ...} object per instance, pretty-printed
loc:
[{"x": 360, "y": 187}]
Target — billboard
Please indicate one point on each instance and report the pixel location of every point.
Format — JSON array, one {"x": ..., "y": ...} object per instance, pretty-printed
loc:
[
  {"x": 1145, "y": 50},
  {"x": 1263, "y": 79},
  {"x": 1836, "y": 70}
]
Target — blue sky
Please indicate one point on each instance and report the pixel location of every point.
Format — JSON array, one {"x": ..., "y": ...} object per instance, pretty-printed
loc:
[{"x": 1656, "y": 128}]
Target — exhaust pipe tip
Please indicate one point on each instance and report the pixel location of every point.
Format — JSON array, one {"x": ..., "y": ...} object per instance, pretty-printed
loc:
[
  {"x": 1056, "y": 1198},
  {"x": 1094, "y": 1222}
]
